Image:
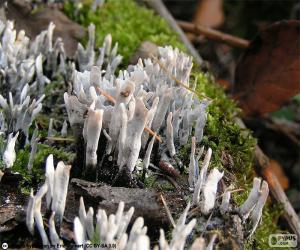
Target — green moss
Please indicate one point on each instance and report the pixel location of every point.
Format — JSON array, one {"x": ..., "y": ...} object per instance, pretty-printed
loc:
[
  {"x": 37, "y": 174},
  {"x": 128, "y": 23},
  {"x": 221, "y": 133},
  {"x": 149, "y": 181}
]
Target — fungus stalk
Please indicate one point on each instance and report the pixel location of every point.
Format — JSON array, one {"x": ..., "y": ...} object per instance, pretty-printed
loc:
[
  {"x": 210, "y": 191},
  {"x": 252, "y": 199},
  {"x": 9, "y": 155},
  {"x": 91, "y": 133},
  {"x": 170, "y": 137},
  {"x": 201, "y": 177},
  {"x": 192, "y": 165}
]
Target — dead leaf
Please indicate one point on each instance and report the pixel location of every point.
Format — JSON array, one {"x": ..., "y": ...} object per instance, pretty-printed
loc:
[
  {"x": 278, "y": 171},
  {"x": 209, "y": 13},
  {"x": 268, "y": 73},
  {"x": 33, "y": 24}
]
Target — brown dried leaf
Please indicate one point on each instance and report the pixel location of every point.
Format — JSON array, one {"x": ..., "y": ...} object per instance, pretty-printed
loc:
[
  {"x": 209, "y": 13},
  {"x": 268, "y": 73},
  {"x": 278, "y": 171}
]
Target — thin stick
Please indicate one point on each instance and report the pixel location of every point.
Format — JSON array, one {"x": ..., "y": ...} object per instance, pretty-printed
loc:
[
  {"x": 52, "y": 138},
  {"x": 176, "y": 80},
  {"x": 231, "y": 191},
  {"x": 214, "y": 34},
  {"x": 283, "y": 129},
  {"x": 161, "y": 9},
  {"x": 112, "y": 100},
  {"x": 168, "y": 211}
]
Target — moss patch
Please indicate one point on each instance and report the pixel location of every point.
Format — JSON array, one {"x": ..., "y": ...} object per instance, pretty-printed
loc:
[
  {"x": 37, "y": 175},
  {"x": 128, "y": 23}
]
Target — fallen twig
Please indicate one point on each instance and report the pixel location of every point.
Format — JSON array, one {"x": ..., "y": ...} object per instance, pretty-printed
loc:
[
  {"x": 168, "y": 211},
  {"x": 176, "y": 80},
  {"x": 171, "y": 180},
  {"x": 287, "y": 128},
  {"x": 161, "y": 9},
  {"x": 52, "y": 138},
  {"x": 214, "y": 34}
]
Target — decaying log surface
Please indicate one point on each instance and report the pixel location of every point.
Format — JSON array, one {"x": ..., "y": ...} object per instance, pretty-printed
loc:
[
  {"x": 147, "y": 202},
  {"x": 12, "y": 202}
]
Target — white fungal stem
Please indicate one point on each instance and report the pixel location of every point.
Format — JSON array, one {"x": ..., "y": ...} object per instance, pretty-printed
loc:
[
  {"x": 64, "y": 129},
  {"x": 162, "y": 109},
  {"x": 61, "y": 181},
  {"x": 170, "y": 137},
  {"x": 151, "y": 115},
  {"x": 134, "y": 132},
  {"x": 200, "y": 122},
  {"x": 192, "y": 165},
  {"x": 89, "y": 223},
  {"x": 32, "y": 154},
  {"x": 37, "y": 213},
  {"x": 51, "y": 131},
  {"x": 199, "y": 244},
  {"x": 257, "y": 211},
  {"x": 82, "y": 212},
  {"x": 9, "y": 155},
  {"x": 122, "y": 136},
  {"x": 210, "y": 191},
  {"x": 115, "y": 126},
  {"x": 146, "y": 160},
  {"x": 124, "y": 92},
  {"x": 78, "y": 232},
  {"x": 30, "y": 213},
  {"x": 252, "y": 199},
  {"x": 75, "y": 109},
  {"x": 50, "y": 179},
  {"x": 211, "y": 243},
  {"x": 202, "y": 177},
  {"x": 52, "y": 231},
  {"x": 91, "y": 133},
  {"x": 178, "y": 241},
  {"x": 197, "y": 158},
  {"x": 179, "y": 233},
  {"x": 124, "y": 222},
  {"x": 224, "y": 208}
]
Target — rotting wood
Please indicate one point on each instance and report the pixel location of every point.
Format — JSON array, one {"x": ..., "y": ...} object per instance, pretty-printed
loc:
[{"x": 147, "y": 202}]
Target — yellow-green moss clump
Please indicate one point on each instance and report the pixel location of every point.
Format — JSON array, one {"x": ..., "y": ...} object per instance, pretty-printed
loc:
[
  {"x": 128, "y": 23},
  {"x": 131, "y": 24}
]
